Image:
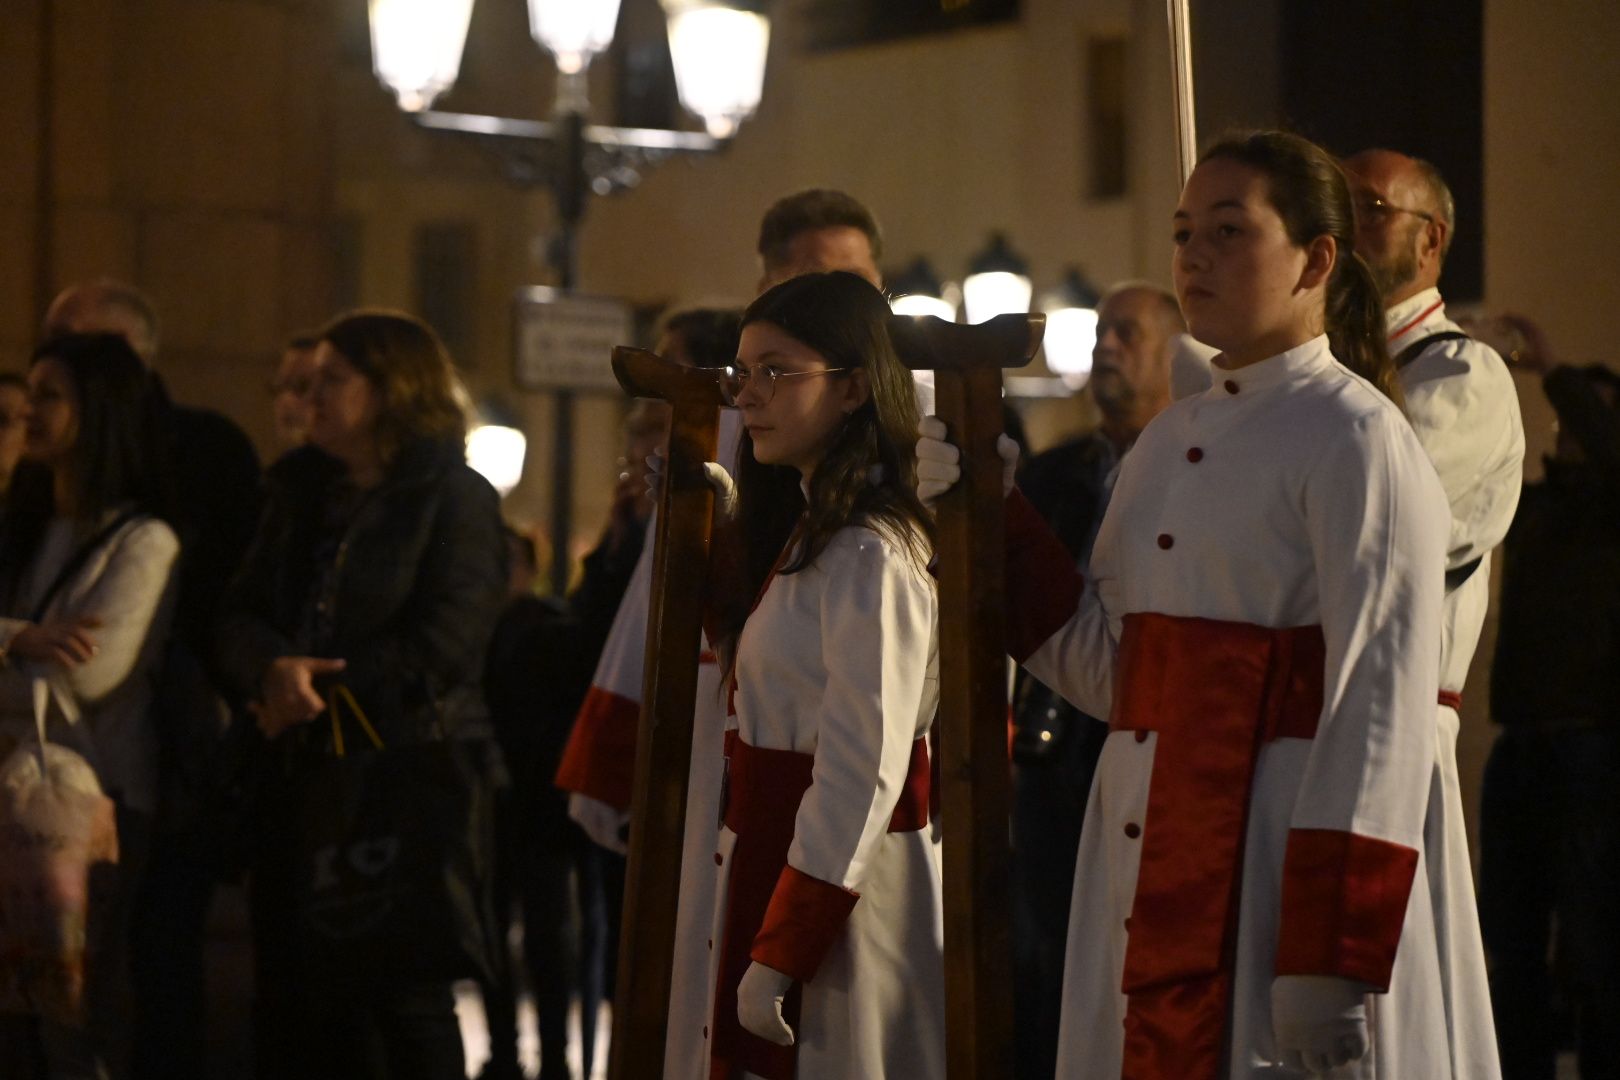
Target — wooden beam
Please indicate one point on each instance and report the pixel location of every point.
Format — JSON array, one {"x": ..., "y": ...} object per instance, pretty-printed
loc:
[
  {"x": 972, "y": 725},
  {"x": 669, "y": 694}
]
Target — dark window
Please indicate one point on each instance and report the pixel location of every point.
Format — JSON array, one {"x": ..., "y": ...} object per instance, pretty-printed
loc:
[
  {"x": 444, "y": 255},
  {"x": 1106, "y": 113},
  {"x": 1406, "y": 77},
  {"x": 839, "y": 24}
]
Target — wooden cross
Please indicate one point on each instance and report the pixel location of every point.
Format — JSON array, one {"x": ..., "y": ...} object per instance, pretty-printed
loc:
[
  {"x": 972, "y": 741},
  {"x": 669, "y": 695}
]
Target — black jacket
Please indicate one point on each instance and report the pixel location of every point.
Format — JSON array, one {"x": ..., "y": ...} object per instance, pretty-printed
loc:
[{"x": 412, "y": 584}]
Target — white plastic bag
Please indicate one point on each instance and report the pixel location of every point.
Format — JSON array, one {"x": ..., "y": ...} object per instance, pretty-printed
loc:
[{"x": 55, "y": 823}]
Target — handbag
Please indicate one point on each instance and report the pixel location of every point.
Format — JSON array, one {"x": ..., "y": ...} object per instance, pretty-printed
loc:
[
  {"x": 392, "y": 850},
  {"x": 57, "y": 829}
]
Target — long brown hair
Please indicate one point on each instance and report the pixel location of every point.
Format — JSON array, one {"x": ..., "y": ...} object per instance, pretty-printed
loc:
[
  {"x": 842, "y": 317},
  {"x": 411, "y": 369},
  {"x": 1311, "y": 194}
]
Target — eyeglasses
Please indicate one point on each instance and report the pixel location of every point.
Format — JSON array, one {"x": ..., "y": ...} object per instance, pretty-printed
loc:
[
  {"x": 734, "y": 380},
  {"x": 1375, "y": 208}
]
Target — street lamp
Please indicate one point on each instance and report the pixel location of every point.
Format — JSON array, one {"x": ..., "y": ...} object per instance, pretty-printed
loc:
[
  {"x": 917, "y": 291},
  {"x": 997, "y": 282},
  {"x": 1071, "y": 329},
  {"x": 718, "y": 48}
]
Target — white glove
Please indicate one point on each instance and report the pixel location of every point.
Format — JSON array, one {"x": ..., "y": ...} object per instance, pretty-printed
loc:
[
  {"x": 607, "y": 826},
  {"x": 939, "y": 462},
  {"x": 759, "y": 1003},
  {"x": 725, "y": 489},
  {"x": 1320, "y": 1019}
]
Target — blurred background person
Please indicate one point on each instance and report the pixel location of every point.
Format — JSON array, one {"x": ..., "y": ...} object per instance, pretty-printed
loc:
[
  {"x": 1550, "y": 806},
  {"x": 611, "y": 604},
  {"x": 13, "y": 425},
  {"x": 289, "y": 391},
  {"x": 1055, "y": 745},
  {"x": 86, "y": 591},
  {"x": 380, "y": 565},
  {"x": 214, "y": 473}
]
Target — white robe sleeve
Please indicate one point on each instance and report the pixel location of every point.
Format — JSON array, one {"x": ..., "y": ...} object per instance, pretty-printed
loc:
[
  {"x": 877, "y": 632},
  {"x": 1377, "y": 525}
]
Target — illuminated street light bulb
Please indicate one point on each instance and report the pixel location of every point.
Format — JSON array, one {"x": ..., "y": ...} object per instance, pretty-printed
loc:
[
  {"x": 573, "y": 30},
  {"x": 917, "y": 291},
  {"x": 416, "y": 47},
  {"x": 997, "y": 282},
  {"x": 719, "y": 56},
  {"x": 1071, "y": 329},
  {"x": 496, "y": 453}
]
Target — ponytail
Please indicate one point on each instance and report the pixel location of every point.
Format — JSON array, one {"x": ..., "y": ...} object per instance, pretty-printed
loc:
[{"x": 1355, "y": 326}]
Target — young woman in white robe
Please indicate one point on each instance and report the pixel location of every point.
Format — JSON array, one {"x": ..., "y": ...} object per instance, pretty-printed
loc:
[
  {"x": 828, "y": 937},
  {"x": 1258, "y": 622}
]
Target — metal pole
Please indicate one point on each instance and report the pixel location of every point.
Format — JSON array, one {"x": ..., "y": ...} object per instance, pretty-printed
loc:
[
  {"x": 1181, "y": 70},
  {"x": 570, "y": 191}
]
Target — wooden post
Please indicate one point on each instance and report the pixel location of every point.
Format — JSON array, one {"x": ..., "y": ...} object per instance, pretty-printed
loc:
[
  {"x": 972, "y": 742},
  {"x": 669, "y": 694}
]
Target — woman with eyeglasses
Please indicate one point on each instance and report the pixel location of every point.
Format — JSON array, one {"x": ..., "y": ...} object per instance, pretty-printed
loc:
[
  {"x": 1260, "y": 622},
  {"x": 827, "y": 945}
]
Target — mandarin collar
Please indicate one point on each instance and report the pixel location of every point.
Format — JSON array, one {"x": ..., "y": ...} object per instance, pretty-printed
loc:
[
  {"x": 1298, "y": 362},
  {"x": 1404, "y": 312}
]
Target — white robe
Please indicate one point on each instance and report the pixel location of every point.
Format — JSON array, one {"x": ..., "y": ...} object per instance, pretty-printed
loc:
[
  {"x": 1289, "y": 494},
  {"x": 839, "y": 661},
  {"x": 1464, "y": 407}
]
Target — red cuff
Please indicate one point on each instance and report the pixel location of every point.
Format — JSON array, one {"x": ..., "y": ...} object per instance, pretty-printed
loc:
[
  {"x": 1043, "y": 586},
  {"x": 805, "y": 917},
  {"x": 600, "y": 758},
  {"x": 1343, "y": 905}
]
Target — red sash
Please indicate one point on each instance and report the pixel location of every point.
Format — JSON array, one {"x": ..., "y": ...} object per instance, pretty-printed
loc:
[
  {"x": 763, "y": 792},
  {"x": 1214, "y": 693}
]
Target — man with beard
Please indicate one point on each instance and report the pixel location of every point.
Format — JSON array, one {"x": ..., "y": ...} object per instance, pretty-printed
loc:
[
  {"x": 1055, "y": 745},
  {"x": 1462, "y": 404}
]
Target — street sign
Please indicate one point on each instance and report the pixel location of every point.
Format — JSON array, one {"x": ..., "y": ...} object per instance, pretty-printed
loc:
[{"x": 564, "y": 341}]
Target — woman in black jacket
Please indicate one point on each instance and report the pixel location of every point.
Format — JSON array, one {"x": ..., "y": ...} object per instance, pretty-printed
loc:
[{"x": 379, "y": 568}]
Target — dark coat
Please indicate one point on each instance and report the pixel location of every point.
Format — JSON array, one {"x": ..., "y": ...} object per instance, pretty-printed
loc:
[{"x": 418, "y": 584}]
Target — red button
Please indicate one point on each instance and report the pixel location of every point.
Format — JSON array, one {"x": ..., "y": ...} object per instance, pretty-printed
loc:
[
  {"x": 1133, "y": 830},
  {"x": 1141, "y": 736},
  {"x": 1166, "y": 541},
  {"x": 718, "y": 861},
  {"x": 1195, "y": 455},
  {"x": 1231, "y": 387}
]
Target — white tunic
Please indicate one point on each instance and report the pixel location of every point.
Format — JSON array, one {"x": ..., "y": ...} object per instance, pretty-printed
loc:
[
  {"x": 1465, "y": 410},
  {"x": 1307, "y": 502},
  {"x": 839, "y": 661}
]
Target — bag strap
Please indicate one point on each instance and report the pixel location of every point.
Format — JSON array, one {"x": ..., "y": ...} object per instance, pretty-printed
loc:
[
  {"x": 1418, "y": 347},
  {"x": 77, "y": 561},
  {"x": 341, "y": 692}
]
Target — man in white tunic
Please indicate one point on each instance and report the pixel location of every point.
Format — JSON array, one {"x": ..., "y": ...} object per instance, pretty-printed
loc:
[{"x": 1461, "y": 401}]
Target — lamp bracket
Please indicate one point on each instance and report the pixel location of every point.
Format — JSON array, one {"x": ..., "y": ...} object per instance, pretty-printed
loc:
[{"x": 615, "y": 158}]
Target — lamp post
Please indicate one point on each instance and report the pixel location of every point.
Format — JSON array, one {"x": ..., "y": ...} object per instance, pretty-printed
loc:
[
  {"x": 718, "y": 48},
  {"x": 917, "y": 291}
]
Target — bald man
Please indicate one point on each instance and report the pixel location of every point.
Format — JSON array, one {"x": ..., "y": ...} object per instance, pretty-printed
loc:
[
  {"x": 216, "y": 481},
  {"x": 1463, "y": 406}
]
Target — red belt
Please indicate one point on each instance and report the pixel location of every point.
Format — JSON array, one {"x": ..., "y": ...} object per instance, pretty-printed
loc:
[
  {"x": 763, "y": 791},
  {"x": 1451, "y": 698},
  {"x": 1213, "y": 693}
]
